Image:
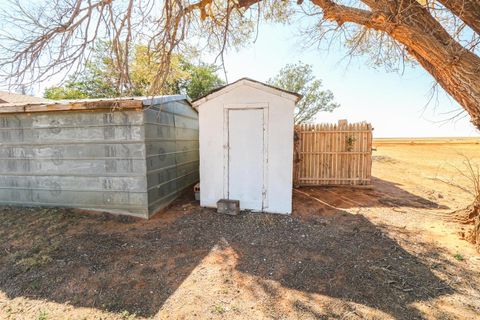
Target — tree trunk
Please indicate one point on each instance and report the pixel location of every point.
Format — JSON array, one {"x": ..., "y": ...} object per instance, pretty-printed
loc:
[
  {"x": 455, "y": 68},
  {"x": 467, "y": 10},
  {"x": 459, "y": 76}
]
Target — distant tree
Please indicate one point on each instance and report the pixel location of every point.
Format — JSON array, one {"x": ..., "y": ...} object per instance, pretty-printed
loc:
[
  {"x": 299, "y": 78},
  {"x": 63, "y": 93},
  {"x": 101, "y": 79},
  {"x": 202, "y": 78}
]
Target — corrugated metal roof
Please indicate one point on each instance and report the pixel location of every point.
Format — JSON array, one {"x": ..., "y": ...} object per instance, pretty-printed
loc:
[
  {"x": 147, "y": 100},
  {"x": 88, "y": 104}
]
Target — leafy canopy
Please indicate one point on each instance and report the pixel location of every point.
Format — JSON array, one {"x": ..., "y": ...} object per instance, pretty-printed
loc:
[
  {"x": 300, "y": 78},
  {"x": 101, "y": 79}
]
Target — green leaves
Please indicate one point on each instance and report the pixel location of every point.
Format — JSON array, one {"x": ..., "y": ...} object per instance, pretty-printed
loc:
[
  {"x": 299, "y": 78},
  {"x": 64, "y": 93},
  {"x": 101, "y": 78},
  {"x": 202, "y": 79}
]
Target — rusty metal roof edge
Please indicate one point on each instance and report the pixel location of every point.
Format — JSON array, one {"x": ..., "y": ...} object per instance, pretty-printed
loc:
[
  {"x": 50, "y": 105},
  {"x": 147, "y": 100}
]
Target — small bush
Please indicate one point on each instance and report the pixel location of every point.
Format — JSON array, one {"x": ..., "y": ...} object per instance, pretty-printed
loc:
[
  {"x": 459, "y": 257},
  {"x": 42, "y": 316},
  {"x": 220, "y": 309}
]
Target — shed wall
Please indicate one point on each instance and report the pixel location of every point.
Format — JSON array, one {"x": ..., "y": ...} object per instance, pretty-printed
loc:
[
  {"x": 171, "y": 138},
  {"x": 90, "y": 159},
  {"x": 279, "y": 147}
]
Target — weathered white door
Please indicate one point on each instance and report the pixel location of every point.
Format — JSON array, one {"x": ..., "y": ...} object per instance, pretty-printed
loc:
[{"x": 246, "y": 157}]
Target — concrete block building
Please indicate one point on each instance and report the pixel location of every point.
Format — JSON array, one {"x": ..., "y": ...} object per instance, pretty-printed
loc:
[{"x": 130, "y": 156}]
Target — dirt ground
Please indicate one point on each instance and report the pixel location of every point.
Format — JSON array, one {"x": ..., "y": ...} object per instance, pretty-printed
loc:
[{"x": 381, "y": 253}]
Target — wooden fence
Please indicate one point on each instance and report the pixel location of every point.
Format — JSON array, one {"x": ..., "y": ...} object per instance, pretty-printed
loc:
[{"x": 333, "y": 154}]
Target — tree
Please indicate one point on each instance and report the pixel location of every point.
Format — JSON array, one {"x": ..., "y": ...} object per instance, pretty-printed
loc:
[
  {"x": 202, "y": 79},
  {"x": 299, "y": 78},
  {"x": 69, "y": 91},
  {"x": 99, "y": 79},
  {"x": 39, "y": 39}
]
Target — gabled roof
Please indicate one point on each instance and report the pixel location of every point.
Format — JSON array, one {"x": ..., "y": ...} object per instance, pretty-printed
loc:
[
  {"x": 15, "y": 98},
  {"x": 90, "y": 104},
  {"x": 252, "y": 83}
]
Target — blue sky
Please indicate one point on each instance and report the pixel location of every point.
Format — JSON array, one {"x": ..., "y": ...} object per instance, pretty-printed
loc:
[{"x": 395, "y": 104}]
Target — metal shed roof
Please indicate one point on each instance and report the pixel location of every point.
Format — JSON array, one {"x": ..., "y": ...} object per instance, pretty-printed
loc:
[{"x": 89, "y": 104}]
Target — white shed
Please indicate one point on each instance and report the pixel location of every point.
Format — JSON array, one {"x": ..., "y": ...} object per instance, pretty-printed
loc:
[{"x": 246, "y": 146}]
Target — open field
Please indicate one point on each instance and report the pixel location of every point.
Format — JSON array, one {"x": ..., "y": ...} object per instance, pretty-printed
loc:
[
  {"x": 426, "y": 141},
  {"x": 381, "y": 253}
]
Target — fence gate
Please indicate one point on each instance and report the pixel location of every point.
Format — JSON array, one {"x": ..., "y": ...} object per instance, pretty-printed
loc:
[{"x": 333, "y": 154}]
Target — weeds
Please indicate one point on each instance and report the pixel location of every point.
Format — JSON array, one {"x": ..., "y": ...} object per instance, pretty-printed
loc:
[
  {"x": 42, "y": 316},
  {"x": 219, "y": 309},
  {"x": 471, "y": 172},
  {"x": 472, "y": 213},
  {"x": 35, "y": 285},
  {"x": 38, "y": 255},
  {"x": 459, "y": 257},
  {"x": 127, "y": 315}
]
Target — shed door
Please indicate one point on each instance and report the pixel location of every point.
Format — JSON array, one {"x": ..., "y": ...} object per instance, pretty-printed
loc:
[{"x": 245, "y": 158}]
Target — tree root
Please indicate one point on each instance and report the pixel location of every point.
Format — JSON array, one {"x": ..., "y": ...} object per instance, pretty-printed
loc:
[
  {"x": 474, "y": 235},
  {"x": 470, "y": 215},
  {"x": 464, "y": 216}
]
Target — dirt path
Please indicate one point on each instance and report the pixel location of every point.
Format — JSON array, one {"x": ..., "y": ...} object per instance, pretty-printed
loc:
[{"x": 379, "y": 253}]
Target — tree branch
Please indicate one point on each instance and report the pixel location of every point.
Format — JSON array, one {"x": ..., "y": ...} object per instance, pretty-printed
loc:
[
  {"x": 341, "y": 14},
  {"x": 467, "y": 10}
]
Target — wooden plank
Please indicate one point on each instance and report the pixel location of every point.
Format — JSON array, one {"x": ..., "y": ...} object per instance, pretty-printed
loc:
[
  {"x": 121, "y": 104},
  {"x": 76, "y": 105},
  {"x": 334, "y": 154},
  {"x": 11, "y": 109}
]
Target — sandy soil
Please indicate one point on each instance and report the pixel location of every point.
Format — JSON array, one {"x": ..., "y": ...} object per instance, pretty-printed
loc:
[{"x": 387, "y": 252}]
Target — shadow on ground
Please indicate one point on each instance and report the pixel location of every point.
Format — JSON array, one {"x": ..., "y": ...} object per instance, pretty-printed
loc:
[
  {"x": 381, "y": 193},
  {"x": 117, "y": 264}
]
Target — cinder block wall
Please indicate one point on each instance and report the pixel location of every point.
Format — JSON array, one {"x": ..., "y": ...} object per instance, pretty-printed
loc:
[
  {"x": 88, "y": 159},
  {"x": 131, "y": 162},
  {"x": 171, "y": 139}
]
